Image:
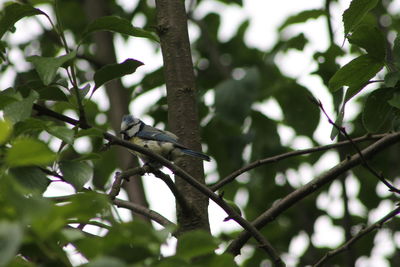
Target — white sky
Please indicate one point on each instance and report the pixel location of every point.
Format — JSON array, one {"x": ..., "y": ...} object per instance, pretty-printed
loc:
[{"x": 265, "y": 17}]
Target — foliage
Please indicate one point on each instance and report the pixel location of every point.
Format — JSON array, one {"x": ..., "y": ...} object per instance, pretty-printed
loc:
[{"x": 38, "y": 149}]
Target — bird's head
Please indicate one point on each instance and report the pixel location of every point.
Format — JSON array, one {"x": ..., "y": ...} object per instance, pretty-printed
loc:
[{"x": 129, "y": 126}]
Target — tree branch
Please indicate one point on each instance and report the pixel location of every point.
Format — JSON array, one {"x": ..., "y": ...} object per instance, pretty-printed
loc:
[
  {"x": 157, "y": 173},
  {"x": 313, "y": 186},
  {"x": 153, "y": 215},
  {"x": 362, "y": 233},
  {"x": 177, "y": 194},
  {"x": 283, "y": 156}
]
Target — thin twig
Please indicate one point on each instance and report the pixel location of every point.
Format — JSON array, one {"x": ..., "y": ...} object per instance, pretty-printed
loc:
[
  {"x": 95, "y": 223},
  {"x": 72, "y": 75},
  {"x": 148, "y": 213},
  {"x": 157, "y": 173},
  {"x": 364, "y": 161},
  {"x": 52, "y": 173},
  {"x": 144, "y": 211},
  {"x": 48, "y": 112},
  {"x": 174, "y": 190},
  {"x": 329, "y": 22},
  {"x": 116, "y": 186},
  {"x": 360, "y": 234},
  {"x": 283, "y": 156},
  {"x": 132, "y": 172}
]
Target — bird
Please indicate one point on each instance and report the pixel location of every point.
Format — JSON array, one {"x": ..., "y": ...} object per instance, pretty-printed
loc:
[{"x": 161, "y": 142}]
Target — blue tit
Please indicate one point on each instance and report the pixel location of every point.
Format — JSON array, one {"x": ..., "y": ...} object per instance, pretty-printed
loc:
[{"x": 161, "y": 142}]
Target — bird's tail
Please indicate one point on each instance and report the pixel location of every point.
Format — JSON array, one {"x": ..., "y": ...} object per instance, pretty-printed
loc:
[{"x": 195, "y": 154}]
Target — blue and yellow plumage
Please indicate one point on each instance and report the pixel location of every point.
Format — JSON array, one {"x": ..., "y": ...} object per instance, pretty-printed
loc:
[{"x": 161, "y": 142}]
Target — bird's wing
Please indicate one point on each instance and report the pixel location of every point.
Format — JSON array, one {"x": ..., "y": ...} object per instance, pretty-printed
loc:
[{"x": 151, "y": 133}]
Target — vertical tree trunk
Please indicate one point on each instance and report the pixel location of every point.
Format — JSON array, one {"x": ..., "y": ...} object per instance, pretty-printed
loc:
[
  {"x": 182, "y": 105},
  {"x": 119, "y": 99}
]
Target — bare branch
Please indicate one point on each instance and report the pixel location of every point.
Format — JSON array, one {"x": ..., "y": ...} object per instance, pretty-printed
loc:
[
  {"x": 159, "y": 174},
  {"x": 155, "y": 216},
  {"x": 116, "y": 186},
  {"x": 302, "y": 192},
  {"x": 360, "y": 234},
  {"x": 283, "y": 156},
  {"x": 177, "y": 194},
  {"x": 95, "y": 223},
  {"x": 148, "y": 213}
]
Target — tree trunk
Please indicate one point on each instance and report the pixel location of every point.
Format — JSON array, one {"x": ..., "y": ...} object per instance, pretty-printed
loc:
[{"x": 182, "y": 105}]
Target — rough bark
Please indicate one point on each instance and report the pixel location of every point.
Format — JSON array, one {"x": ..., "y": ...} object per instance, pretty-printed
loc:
[
  {"x": 119, "y": 99},
  {"x": 182, "y": 106}
]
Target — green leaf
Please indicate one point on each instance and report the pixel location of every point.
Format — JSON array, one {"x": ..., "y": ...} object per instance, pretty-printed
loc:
[
  {"x": 264, "y": 145},
  {"x": 84, "y": 206},
  {"x": 391, "y": 78},
  {"x": 355, "y": 74},
  {"x": 83, "y": 91},
  {"x": 120, "y": 25},
  {"x": 52, "y": 93},
  {"x": 106, "y": 261},
  {"x": 213, "y": 260},
  {"x": 395, "y": 100},
  {"x": 114, "y": 71},
  {"x": 377, "y": 111},
  {"x": 298, "y": 42},
  {"x": 47, "y": 67},
  {"x": 3, "y": 49},
  {"x": 338, "y": 122},
  {"x": 371, "y": 39},
  {"x": 63, "y": 133},
  {"x": 31, "y": 177},
  {"x": 13, "y": 13},
  {"x": 90, "y": 132},
  {"x": 29, "y": 126},
  {"x": 230, "y": 2},
  {"x": 152, "y": 80},
  {"x": 76, "y": 173},
  {"x": 356, "y": 12},
  {"x": 26, "y": 151},
  {"x": 89, "y": 156},
  {"x": 223, "y": 260},
  {"x": 5, "y": 131},
  {"x": 233, "y": 98},
  {"x": 72, "y": 234},
  {"x": 20, "y": 110},
  {"x": 121, "y": 240},
  {"x": 396, "y": 51},
  {"x": 8, "y": 96},
  {"x": 175, "y": 261},
  {"x": 302, "y": 17},
  {"x": 294, "y": 100},
  {"x": 196, "y": 243},
  {"x": 10, "y": 240}
]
